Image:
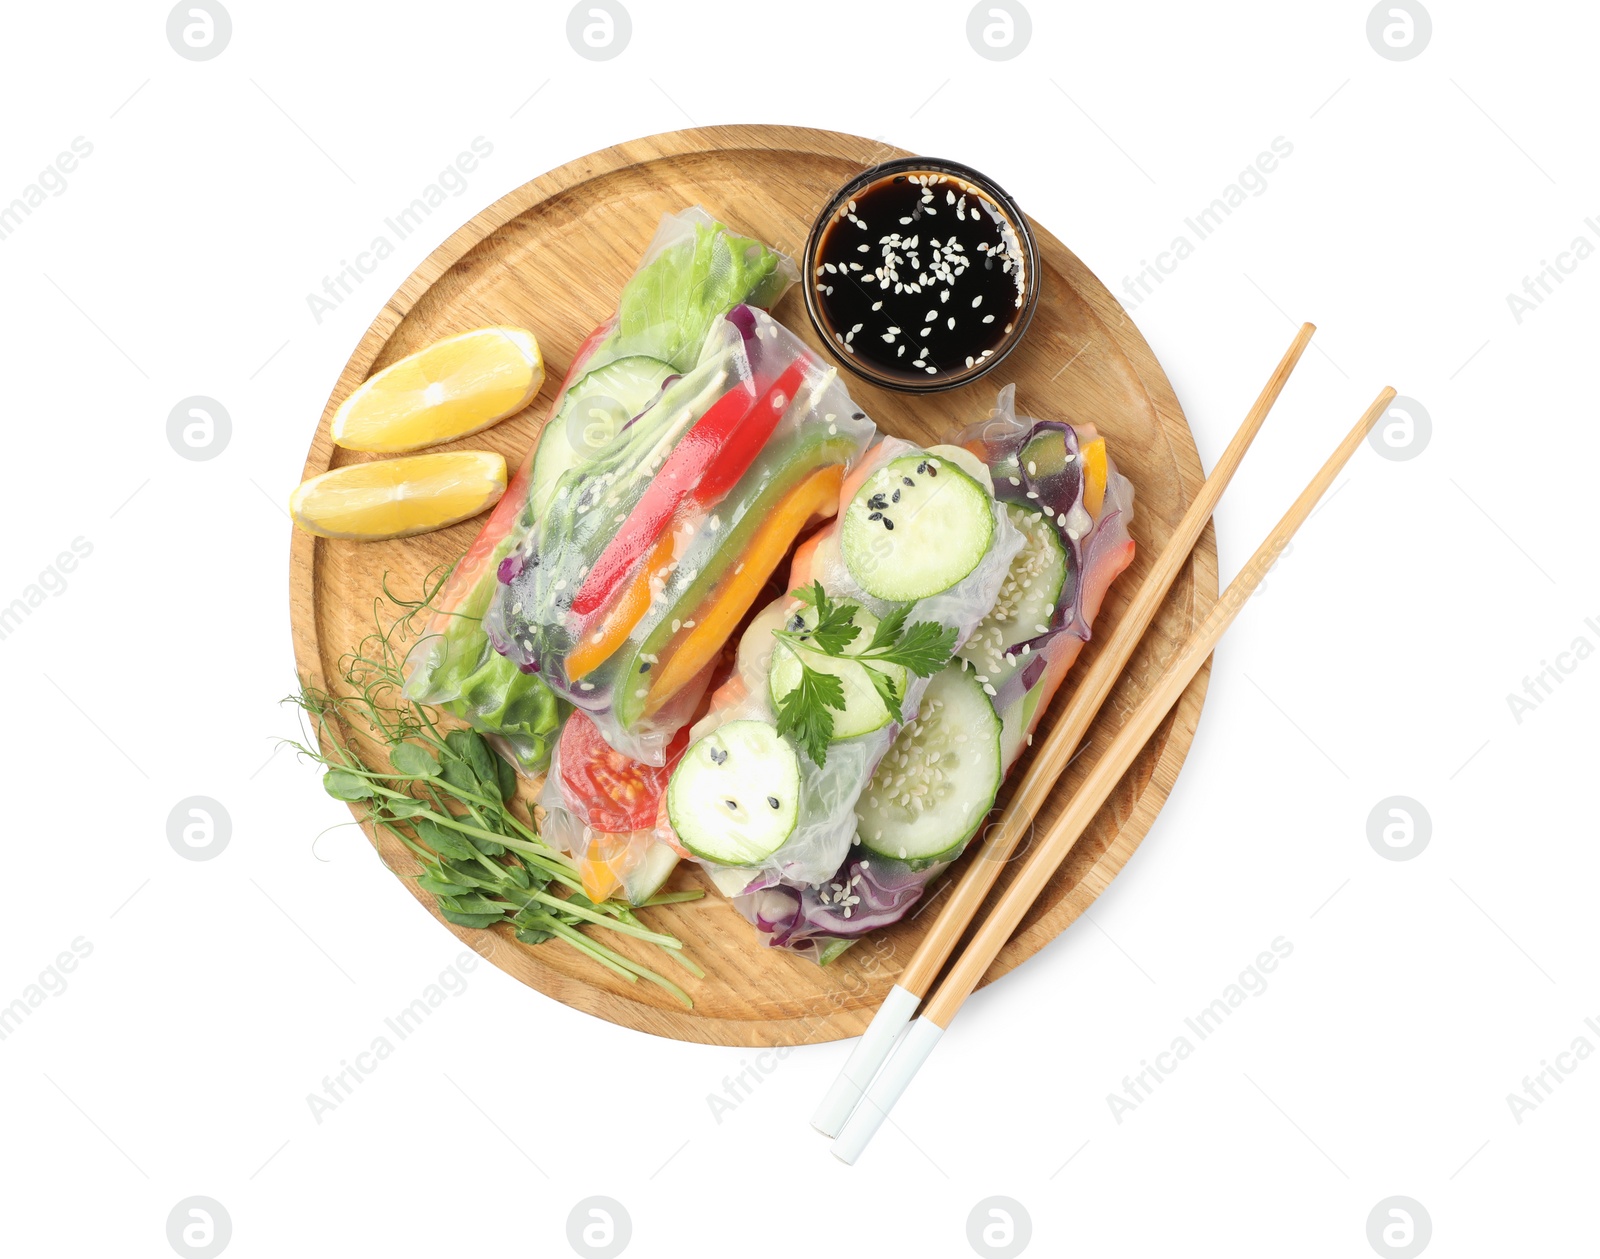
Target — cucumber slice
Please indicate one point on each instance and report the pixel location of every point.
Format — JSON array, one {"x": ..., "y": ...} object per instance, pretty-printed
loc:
[
  {"x": 1027, "y": 601},
  {"x": 917, "y": 526},
  {"x": 864, "y": 710},
  {"x": 937, "y": 783},
  {"x": 735, "y": 796},
  {"x": 593, "y": 412}
]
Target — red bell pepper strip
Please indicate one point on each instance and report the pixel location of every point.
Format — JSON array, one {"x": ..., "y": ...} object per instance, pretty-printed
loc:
[
  {"x": 705, "y": 463},
  {"x": 740, "y": 451},
  {"x": 679, "y": 474}
]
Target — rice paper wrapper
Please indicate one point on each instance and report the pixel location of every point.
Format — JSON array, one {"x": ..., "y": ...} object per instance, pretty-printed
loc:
[
  {"x": 648, "y": 686},
  {"x": 691, "y": 274},
  {"x": 828, "y": 793},
  {"x": 865, "y": 892},
  {"x": 630, "y": 865}
]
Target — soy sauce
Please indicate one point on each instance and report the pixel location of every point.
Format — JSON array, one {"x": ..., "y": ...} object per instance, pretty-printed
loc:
[{"x": 920, "y": 275}]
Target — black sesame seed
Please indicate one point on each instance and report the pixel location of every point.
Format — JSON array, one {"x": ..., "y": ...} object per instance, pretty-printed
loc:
[{"x": 773, "y": 801}]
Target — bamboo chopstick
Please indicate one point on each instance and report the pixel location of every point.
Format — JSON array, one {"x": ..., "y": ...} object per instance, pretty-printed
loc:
[
  {"x": 1041, "y": 863},
  {"x": 1057, "y": 748}
]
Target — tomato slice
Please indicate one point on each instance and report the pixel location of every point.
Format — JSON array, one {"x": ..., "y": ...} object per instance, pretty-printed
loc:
[{"x": 616, "y": 793}]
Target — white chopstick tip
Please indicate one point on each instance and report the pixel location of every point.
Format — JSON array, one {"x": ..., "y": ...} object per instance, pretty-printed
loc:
[
  {"x": 897, "y": 1073},
  {"x": 868, "y": 1055}
]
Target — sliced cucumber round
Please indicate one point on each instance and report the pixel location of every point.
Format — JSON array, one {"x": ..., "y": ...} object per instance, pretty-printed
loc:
[
  {"x": 735, "y": 796},
  {"x": 593, "y": 412},
  {"x": 864, "y": 709},
  {"x": 937, "y": 782},
  {"x": 1027, "y": 601},
  {"x": 917, "y": 526}
]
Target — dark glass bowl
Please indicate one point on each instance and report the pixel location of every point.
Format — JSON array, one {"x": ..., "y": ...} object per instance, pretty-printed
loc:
[{"x": 1014, "y": 216}]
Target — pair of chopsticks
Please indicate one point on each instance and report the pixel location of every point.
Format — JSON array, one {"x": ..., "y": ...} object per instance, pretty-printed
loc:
[{"x": 873, "y": 1080}]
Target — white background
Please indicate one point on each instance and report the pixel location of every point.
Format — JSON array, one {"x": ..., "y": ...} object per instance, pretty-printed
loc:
[{"x": 1376, "y": 662}]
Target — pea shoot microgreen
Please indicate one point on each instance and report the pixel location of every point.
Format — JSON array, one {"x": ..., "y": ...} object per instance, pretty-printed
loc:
[{"x": 451, "y": 799}]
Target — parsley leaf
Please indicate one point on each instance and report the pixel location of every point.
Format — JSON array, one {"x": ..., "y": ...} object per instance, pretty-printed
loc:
[
  {"x": 804, "y": 716},
  {"x": 889, "y": 628},
  {"x": 923, "y": 647},
  {"x": 835, "y": 628},
  {"x": 884, "y": 685}
]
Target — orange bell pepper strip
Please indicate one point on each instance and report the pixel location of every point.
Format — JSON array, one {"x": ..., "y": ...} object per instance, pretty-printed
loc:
[
  {"x": 600, "y": 645},
  {"x": 815, "y": 497},
  {"x": 1094, "y": 476}
]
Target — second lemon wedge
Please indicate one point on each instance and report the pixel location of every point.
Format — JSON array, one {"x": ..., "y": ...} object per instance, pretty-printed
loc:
[
  {"x": 395, "y": 498},
  {"x": 450, "y": 389}
]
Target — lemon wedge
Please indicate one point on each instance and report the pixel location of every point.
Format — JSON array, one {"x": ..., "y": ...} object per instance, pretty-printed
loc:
[
  {"x": 452, "y": 388},
  {"x": 395, "y": 498}
]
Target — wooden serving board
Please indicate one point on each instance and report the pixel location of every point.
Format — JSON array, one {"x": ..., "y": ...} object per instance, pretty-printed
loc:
[{"x": 552, "y": 256}]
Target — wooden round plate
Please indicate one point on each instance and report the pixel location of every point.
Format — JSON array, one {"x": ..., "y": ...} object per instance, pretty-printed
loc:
[{"x": 552, "y": 256}]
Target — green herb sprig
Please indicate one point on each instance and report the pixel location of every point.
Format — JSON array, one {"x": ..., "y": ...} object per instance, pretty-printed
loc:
[
  {"x": 805, "y": 714},
  {"x": 449, "y": 797}
]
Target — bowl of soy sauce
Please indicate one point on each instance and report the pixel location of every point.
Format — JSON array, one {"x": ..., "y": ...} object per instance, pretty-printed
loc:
[{"x": 921, "y": 274}]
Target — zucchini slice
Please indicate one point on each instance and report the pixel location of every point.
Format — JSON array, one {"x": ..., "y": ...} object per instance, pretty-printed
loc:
[
  {"x": 917, "y": 526},
  {"x": 735, "y": 796}
]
